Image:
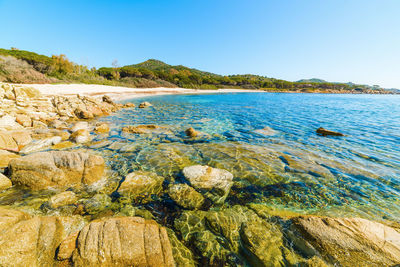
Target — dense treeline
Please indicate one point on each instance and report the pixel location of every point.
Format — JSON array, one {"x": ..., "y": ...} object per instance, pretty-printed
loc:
[{"x": 154, "y": 73}]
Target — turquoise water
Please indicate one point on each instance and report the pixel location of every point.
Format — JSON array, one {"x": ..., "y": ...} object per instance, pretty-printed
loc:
[{"x": 287, "y": 166}]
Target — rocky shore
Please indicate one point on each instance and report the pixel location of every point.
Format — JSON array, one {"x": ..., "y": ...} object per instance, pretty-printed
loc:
[{"x": 81, "y": 214}]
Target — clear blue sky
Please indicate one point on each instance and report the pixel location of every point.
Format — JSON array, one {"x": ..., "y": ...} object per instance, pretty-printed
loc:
[{"x": 336, "y": 40}]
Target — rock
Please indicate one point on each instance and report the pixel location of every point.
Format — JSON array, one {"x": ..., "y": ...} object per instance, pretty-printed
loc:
[
  {"x": 83, "y": 114},
  {"x": 215, "y": 182},
  {"x": 141, "y": 184},
  {"x": 62, "y": 199},
  {"x": 38, "y": 125},
  {"x": 121, "y": 241},
  {"x": 4, "y": 182},
  {"x": 185, "y": 196},
  {"x": 96, "y": 204},
  {"x": 182, "y": 255},
  {"x": 107, "y": 99},
  {"x": 80, "y": 136},
  {"x": 8, "y": 123},
  {"x": 191, "y": 132},
  {"x": 22, "y": 138},
  {"x": 8, "y": 92},
  {"x": 129, "y": 105},
  {"x": 267, "y": 131},
  {"x": 347, "y": 241},
  {"x": 102, "y": 128},
  {"x": 40, "y": 145},
  {"x": 262, "y": 243},
  {"x": 63, "y": 145},
  {"x": 324, "y": 132},
  {"x": 24, "y": 120},
  {"x": 140, "y": 129},
  {"x": 26, "y": 92},
  {"x": 145, "y": 105},
  {"x": 27, "y": 240},
  {"x": 81, "y": 125},
  {"x": 7, "y": 142},
  {"x": 5, "y": 157},
  {"x": 57, "y": 124},
  {"x": 57, "y": 169}
]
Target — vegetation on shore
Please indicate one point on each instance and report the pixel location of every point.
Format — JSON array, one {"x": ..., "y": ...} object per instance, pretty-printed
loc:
[{"x": 29, "y": 67}]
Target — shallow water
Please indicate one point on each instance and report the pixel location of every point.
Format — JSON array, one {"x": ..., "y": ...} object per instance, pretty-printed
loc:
[{"x": 287, "y": 166}]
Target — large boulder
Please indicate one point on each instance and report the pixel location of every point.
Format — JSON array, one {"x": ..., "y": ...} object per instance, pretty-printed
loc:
[
  {"x": 216, "y": 183},
  {"x": 56, "y": 169},
  {"x": 347, "y": 241},
  {"x": 141, "y": 184},
  {"x": 121, "y": 241},
  {"x": 27, "y": 240}
]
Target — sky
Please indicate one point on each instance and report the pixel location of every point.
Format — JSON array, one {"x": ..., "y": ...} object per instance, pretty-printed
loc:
[{"x": 335, "y": 40}]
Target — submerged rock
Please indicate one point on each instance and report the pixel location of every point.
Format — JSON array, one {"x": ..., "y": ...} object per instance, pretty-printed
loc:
[
  {"x": 62, "y": 199},
  {"x": 324, "y": 132},
  {"x": 141, "y": 184},
  {"x": 216, "y": 182},
  {"x": 347, "y": 241},
  {"x": 58, "y": 169},
  {"x": 145, "y": 104},
  {"x": 123, "y": 241},
  {"x": 267, "y": 131},
  {"x": 185, "y": 196},
  {"x": 140, "y": 129}
]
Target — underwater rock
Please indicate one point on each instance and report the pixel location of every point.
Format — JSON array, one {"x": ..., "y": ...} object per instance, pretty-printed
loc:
[
  {"x": 121, "y": 241},
  {"x": 141, "y": 184},
  {"x": 80, "y": 136},
  {"x": 324, "y": 132},
  {"x": 4, "y": 182},
  {"x": 7, "y": 142},
  {"x": 347, "y": 241},
  {"x": 145, "y": 104},
  {"x": 215, "y": 182},
  {"x": 140, "y": 129},
  {"x": 185, "y": 196},
  {"x": 267, "y": 131},
  {"x": 27, "y": 240},
  {"x": 62, "y": 199},
  {"x": 191, "y": 132},
  {"x": 58, "y": 169},
  {"x": 40, "y": 145},
  {"x": 96, "y": 204},
  {"x": 102, "y": 128}
]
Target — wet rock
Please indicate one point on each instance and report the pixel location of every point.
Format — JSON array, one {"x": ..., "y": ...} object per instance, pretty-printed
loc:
[
  {"x": 215, "y": 182},
  {"x": 191, "y": 132},
  {"x": 80, "y": 136},
  {"x": 24, "y": 120},
  {"x": 40, "y": 145},
  {"x": 4, "y": 182},
  {"x": 97, "y": 203},
  {"x": 145, "y": 105},
  {"x": 7, "y": 142},
  {"x": 124, "y": 241},
  {"x": 57, "y": 169},
  {"x": 27, "y": 240},
  {"x": 185, "y": 196},
  {"x": 140, "y": 129},
  {"x": 81, "y": 125},
  {"x": 141, "y": 184},
  {"x": 347, "y": 241},
  {"x": 63, "y": 145},
  {"x": 324, "y": 132},
  {"x": 62, "y": 199},
  {"x": 5, "y": 157},
  {"x": 102, "y": 128},
  {"x": 83, "y": 114},
  {"x": 267, "y": 131},
  {"x": 22, "y": 138},
  {"x": 182, "y": 255},
  {"x": 129, "y": 105}
]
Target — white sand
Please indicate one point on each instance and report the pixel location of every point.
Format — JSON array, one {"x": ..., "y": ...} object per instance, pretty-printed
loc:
[{"x": 120, "y": 93}]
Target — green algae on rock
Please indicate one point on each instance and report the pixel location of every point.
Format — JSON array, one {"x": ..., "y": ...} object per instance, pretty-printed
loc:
[
  {"x": 141, "y": 184},
  {"x": 186, "y": 196}
]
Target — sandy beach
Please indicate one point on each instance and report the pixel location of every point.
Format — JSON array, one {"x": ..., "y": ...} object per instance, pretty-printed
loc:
[{"x": 119, "y": 93}]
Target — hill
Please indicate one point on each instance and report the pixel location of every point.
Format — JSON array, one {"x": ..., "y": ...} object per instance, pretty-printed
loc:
[{"x": 21, "y": 66}]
